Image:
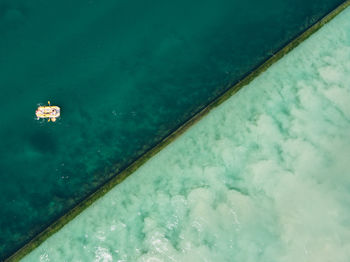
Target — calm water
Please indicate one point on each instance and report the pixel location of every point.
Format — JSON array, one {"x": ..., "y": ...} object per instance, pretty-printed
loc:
[
  {"x": 263, "y": 180},
  {"x": 125, "y": 74}
]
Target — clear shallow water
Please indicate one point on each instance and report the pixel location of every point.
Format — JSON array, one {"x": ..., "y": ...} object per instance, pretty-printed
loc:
[
  {"x": 125, "y": 74},
  {"x": 264, "y": 177}
]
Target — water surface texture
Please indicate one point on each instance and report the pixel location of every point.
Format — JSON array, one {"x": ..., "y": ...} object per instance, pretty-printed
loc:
[
  {"x": 125, "y": 73},
  {"x": 263, "y": 177}
]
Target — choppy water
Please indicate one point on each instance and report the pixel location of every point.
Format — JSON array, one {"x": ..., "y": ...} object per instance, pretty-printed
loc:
[
  {"x": 125, "y": 74},
  {"x": 264, "y": 177}
]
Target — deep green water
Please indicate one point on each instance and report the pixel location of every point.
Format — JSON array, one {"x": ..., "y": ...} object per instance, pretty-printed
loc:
[{"x": 125, "y": 73}]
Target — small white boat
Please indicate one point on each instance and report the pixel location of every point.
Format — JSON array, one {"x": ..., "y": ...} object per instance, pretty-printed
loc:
[{"x": 49, "y": 112}]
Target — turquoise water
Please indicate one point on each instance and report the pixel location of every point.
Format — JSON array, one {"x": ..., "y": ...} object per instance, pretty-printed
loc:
[
  {"x": 125, "y": 73},
  {"x": 264, "y": 177}
]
